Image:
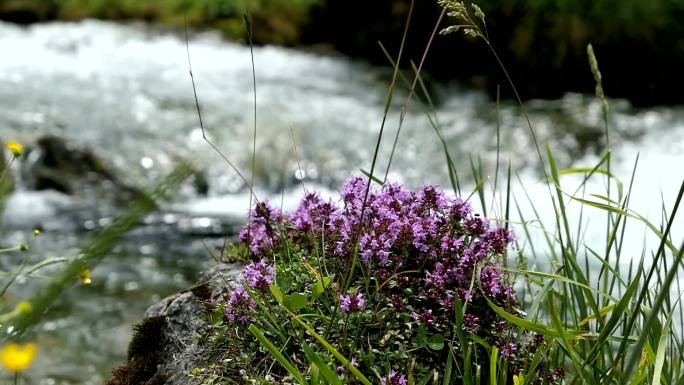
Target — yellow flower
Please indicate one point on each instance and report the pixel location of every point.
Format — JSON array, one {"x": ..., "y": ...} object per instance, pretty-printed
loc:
[
  {"x": 17, "y": 358},
  {"x": 15, "y": 148},
  {"x": 518, "y": 379},
  {"x": 36, "y": 232},
  {"x": 24, "y": 307},
  {"x": 85, "y": 276}
]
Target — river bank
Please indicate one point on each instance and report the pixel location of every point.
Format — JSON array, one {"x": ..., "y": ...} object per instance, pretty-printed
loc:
[{"x": 639, "y": 44}]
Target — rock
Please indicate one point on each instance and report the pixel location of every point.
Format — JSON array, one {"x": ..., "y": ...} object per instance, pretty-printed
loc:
[
  {"x": 164, "y": 348},
  {"x": 53, "y": 163}
]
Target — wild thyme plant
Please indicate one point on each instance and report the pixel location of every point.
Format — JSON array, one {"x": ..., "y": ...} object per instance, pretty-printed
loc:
[{"x": 430, "y": 270}]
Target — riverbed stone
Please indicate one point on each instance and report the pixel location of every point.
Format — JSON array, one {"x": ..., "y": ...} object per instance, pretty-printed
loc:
[
  {"x": 165, "y": 347},
  {"x": 54, "y": 163}
]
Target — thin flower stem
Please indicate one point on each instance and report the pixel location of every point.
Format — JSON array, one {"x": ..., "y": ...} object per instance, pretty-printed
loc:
[
  {"x": 4, "y": 172},
  {"x": 411, "y": 92}
]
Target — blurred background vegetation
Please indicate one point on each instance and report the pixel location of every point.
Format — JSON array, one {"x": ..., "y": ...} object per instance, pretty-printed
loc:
[{"x": 640, "y": 44}]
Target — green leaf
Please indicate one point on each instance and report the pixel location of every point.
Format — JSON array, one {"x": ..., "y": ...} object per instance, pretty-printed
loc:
[
  {"x": 535, "y": 326},
  {"x": 284, "y": 282},
  {"x": 295, "y": 301},
  {"x": 278, "y": 294},
  {"x": 317, "y": 290},
  {"x": 320, "y": 286},
  {"x": 493, "y": 360},
  {"x": 327, "y": 373},
  {"x": 436, "y": 342},
  {"x": 259, "y": 334},
  {"x": 347, "y": 364}
]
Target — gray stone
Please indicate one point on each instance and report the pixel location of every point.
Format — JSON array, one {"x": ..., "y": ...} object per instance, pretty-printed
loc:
[{"x": 180, "y": 317}]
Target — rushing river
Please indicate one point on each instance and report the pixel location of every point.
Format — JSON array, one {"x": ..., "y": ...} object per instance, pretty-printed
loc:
[{"x": 124, "y": 92}]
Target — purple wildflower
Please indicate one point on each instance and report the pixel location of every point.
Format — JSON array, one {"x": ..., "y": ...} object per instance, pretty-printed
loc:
[
  {"x": 508, "y": 350},
  {"x": 261, "y": 234},
  {"x": 498, "y": 238},
  {"x": 537, "y": 340},
  {"x": 426, "y": 317},
  {"x": 470, "y": 323},
  {"x": 398, "y": 302},
  {"x": 501, "y": 327},
  {"x": 259, "y": 275},
  {"x": 475, "y": 226},
  {"x": 465, "y": 295},
  {"x": 393, "y": 378},
  {"x": 353, "y": 361},
  {"x": 438, "y": 278},
  {"x": 491, "y": 282},
  {"x": 352, "y": 302},
  {"x": 240, "y": 306},
  {"x": 556, "y": 376},
  {"x": 383, "y": 274}
]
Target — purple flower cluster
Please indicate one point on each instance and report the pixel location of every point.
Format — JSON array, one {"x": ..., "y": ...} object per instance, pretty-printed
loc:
[
  {"x": 556, "y": 376},
  {"x": 422, "y": 251},
  {"x": 352, "y": 302},
  {"x": 508, "y": 349},
  {"x": 240, "y": 306},
  {"x": 471, "y": 323},
  {"x": 393, "y": 378},
  {"x": 264, "y": 230},
  {"x": 397, "y": 230},
  {"x": 259, "y": 275}
]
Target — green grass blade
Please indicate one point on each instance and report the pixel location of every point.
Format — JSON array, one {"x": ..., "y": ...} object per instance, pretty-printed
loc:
[
  {"x": 277, "y": 355},
  {"x": 660, "y": 353},
  {"x": 493, "y": 359},
  {"x": 327, "y": 373}
]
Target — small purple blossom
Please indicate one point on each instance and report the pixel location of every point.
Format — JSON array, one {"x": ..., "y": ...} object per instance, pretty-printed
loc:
[
  {"x": 491, "y": 282},
  {"x": 353, "y": 361},
  {"x": 259, "y": 275},
  {"x": 508, "y": 349},
  {"x": 261, "y": 233},
  {"x": 501, "y": 327},
  {"x": 439, "y": 277},
  {"x": 498, "y": 238},
  {"x": 352, "y": 302},
  {"x": 240, "y": 306},
  {"x": 398, "y": 302},
  {"x": 556, "y": 376},
  {"x": 393, "y": 378},
  {"x": 475, "y": 226},
  {"x": 425, "y": 317},
  {"x": 470, "y": 323},
  {"x": 537, "y": 340}
]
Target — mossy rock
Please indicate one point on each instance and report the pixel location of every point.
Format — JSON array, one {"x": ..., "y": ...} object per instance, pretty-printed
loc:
[{"x": 165, "y": 347}]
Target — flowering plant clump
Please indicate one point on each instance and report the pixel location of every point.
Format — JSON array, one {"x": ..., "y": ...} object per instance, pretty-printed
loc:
[{"x": 394, "y": 281}]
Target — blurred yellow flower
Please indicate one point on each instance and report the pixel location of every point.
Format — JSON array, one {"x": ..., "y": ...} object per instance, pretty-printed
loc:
[
  {"x": 85, "y": 276},
  {"x": 518, "y": 379},
  {"x": 15, "y": 148},
  {"x": 36, "y": 232},
  {"x": 17, "y": 358},
  {"x": 24, "y": 307}
]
